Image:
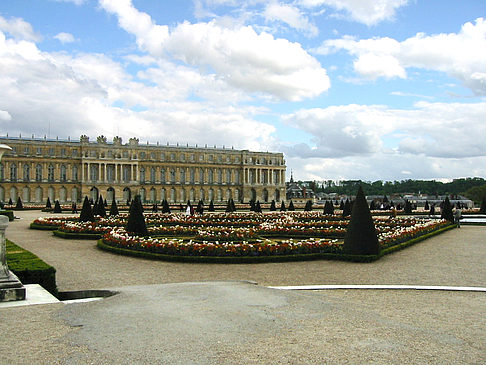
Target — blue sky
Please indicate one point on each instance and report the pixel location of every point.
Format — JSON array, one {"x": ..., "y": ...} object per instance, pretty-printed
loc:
[{"x": 347, "y": 89}]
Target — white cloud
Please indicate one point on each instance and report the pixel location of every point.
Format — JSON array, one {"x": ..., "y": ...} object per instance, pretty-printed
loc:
[
  {"x": 65, "y": 37},
  {"x": 461, "y": 55},
  {"x": 290, "y": 15},
  {"x": 5, "y": 115},
  {"x": 369, "y": 12},
  {"x": 76, "y": 2},
  {"x": 19, "y": 29},
  {"x": 239, "y": 56},
  {"x": 437, "y": 130}
]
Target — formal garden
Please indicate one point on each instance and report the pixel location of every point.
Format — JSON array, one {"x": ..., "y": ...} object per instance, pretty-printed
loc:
[{"x": 196, "y": 235}]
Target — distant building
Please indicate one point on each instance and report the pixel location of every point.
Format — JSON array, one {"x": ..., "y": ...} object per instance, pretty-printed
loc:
[
  {"x": 68, "y": 170},
  {"x": 299, "y": 193}
]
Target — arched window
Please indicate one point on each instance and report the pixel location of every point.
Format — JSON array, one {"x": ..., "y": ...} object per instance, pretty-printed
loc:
[
  {"x": 75, "y": 173},
  {"x": 26, "y": 172},
  {"x": 192, "y": 174},
  {"x": 210, "y": 176},
  {"x": 162, "y": 176},
  {"x": 201, "y": 176},
  {"x": 152, "y": 176},
  {"x": 228, "y": 176},
  {"x": 237, "y": 176},
  {"x": 13, "y": 172},
  {"x": 142, "y": 175},
  {"x": 38, "y": 172},
  {"x": 172, "y": 177},
  {"x": 183, "y": 175},
  {"x": 63, "y": 173},
  {"x": 220, "y": 177},
  {"x": 1, "y": 172}
]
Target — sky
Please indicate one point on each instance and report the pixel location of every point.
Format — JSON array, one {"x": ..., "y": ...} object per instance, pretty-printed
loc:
[{"x": 346, "y": 89}]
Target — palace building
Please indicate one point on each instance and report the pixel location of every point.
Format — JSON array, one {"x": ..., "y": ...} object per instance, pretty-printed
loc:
[{"x": 68, "y": 170}]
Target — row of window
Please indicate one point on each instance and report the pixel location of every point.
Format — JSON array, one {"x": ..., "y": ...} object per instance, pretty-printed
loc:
[{"x": 180, "y": 157}]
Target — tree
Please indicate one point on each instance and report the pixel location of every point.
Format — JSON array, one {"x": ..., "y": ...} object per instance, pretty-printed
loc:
[
  {"x": 86, "y": 214},
  {"x": 372, "y": 205},
  {"x": 57, "y": 207},
  {"x": 408, "y": 207},
  {"x": 10, "y": 202},
  {"x": 361, "y": 238},
  {"x": 282, "y": 207},
  {"x": 48, "y": 203},
  {"x": 347, "y": 208},
  {"x": 165, "y": 206},
  {"x": 100, "y": 207},
  {"x": 200, "y": 207},
  {"x": 291, "y": 206},
  {"x": 273, "y": 208},
  {"x": 136, "y": 221},
  {"x": 113, "y": 209},
  {"x": 482, "y": 210},
  {"x": 328, "y": 208},
  {"x": 447, "y": 213},
  {"x": 19, "y": 204},
  {"x": 308, "y": 206},
  {"x": 426, "y": 206},
  {"x": 229, "y": 208},
  {"x": 211, "y": 206},
  {"x": 233, "y": 206},
  {"x": 258, "y": 208}
]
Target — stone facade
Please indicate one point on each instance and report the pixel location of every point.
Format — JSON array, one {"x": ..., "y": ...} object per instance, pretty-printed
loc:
[{"x": 67, "y": 170}]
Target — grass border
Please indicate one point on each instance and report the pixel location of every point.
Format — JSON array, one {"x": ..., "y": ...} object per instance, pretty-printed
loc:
[{"x": 43, "y": 227}]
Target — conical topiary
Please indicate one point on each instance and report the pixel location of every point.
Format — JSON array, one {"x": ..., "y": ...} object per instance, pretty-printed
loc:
[
  {"x": 252, "y": 205},
  {"x": 408, "y": 207},
  {"x": 10, "y": 202},
  {"x": 258, "y": 208},
  {"x": 165, "y": 206},
  {"x": 233, "y": 206},
  {"x": 291, "y": 206},
  {"x": 211, "y": 206},
  {"x": 86, "y": 214},
  {"x": 229, "y": 208},
  {"x": 273, "y": 207},
  {"x": 372, "y": 205},
  {"x": 136, "y": 221},
  {"x": 155, "y": 208},
  {"x": 200, "y": 207},
  {"x": 341, "y": 205},
  {"x": 114, "y": 208},
  {"x": 57, "y": 207},
  {"x": 426, "y": 207},
  {"x": 282, "y": 207},
  {"x": 48, "y": 203},
  {"x": 447, "y": 213},
  {"x": 361, "y": 238},
  {"x": 101, "y": 210},
  {"x": 347, "y": 208},
  {"x": 328, "y": 208},
  {"x": 19, "y": 204},
  {"x": 308, "y": 206}
]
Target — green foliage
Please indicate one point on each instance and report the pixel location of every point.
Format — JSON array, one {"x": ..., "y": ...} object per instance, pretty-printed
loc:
[
  {"x": 282, "y": 207},
  {"x": 482, "y": 210},
  {"x": 476, "y": 193},
  {"x": 29, "y": 268},
  {"x": 258, "y": 208},
  {"x": 408, "y": 207},
  {"x": 427, "y": 205},
  {"x": 19, "y": 204},
  {"x": 200, "y": 207},
  {"x": 211, "y": 206},
  {"x": 273, "y": 207},
  {"x": 447, "y": 211},
  {"x": 230, "y": 206},
  {"x": 136, "y": 221},
  {"x": 86, "y": 214},
  {"x": 48, "y": 203},
  {"x": 114, "y": 208},
  {"x": 431, "y": 187},
  {"x": 372, "y": 205},
  {"x": 99, "y": 208},
  {"x": 291, "y": 206},
  {"x": 361, "y": 238}
]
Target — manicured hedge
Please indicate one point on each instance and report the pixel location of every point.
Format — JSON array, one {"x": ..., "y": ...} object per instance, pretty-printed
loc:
[
  {"x": 235, "y": 259},
  {"x": 82, "y": 236},
  {"x": 43, "y": 227},
  {"x": 29, "y": 268},
  {"x": 8, "y": 213}
]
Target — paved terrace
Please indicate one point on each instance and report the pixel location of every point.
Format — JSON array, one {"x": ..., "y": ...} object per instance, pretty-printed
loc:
[{"x": 203, "y": 314}]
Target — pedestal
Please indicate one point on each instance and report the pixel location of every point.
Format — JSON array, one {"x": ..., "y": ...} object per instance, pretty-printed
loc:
[{"x": 10, "y": 286}]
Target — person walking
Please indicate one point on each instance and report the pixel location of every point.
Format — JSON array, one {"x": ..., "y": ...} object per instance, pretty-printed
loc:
[{"x": 457, "y": 217}]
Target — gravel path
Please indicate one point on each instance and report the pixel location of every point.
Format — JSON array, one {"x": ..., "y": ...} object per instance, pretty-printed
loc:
[
  {"x": 194, "y": 317},
  {"x": 454, "y": 258}
]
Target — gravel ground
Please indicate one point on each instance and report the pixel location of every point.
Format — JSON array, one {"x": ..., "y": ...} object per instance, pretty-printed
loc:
[{"x": 234, "y": 322}]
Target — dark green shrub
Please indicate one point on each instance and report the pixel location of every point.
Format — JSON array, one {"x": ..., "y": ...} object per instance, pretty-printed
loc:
[
  {"x": 273, "y": 207},
  {"x": 165, "y": 206},
  {"x": 57, "y": 207},
  {"x": 211, "y": 206},
  {"x": 372, "y": 205},
  {"x": 282, "y": 207},
  {"x": 408, "y": 207},
  {"x": 361, "y": 238},
  {"x": 291, "y": 206},
  {"x": 100, "y": 207},
  {"x": 347, "y": 208},
  {"x": 447, "y": 213},
  {"x": 136, "y": 221},
  {"x": 19, "y": 204},
  {"x": 308, "y": 206},
  {"x": 258, "y": 208},
  {"x": 482, "y": 209},
  {"x": 114, "y": 208},
  {"x": 328, "y": 207},
  {"x": 426, "y": 206},
  {"x": 86, "y": 214},
  {"x": 48, "y": 203},
  {"x": 200, "y": 207}
]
